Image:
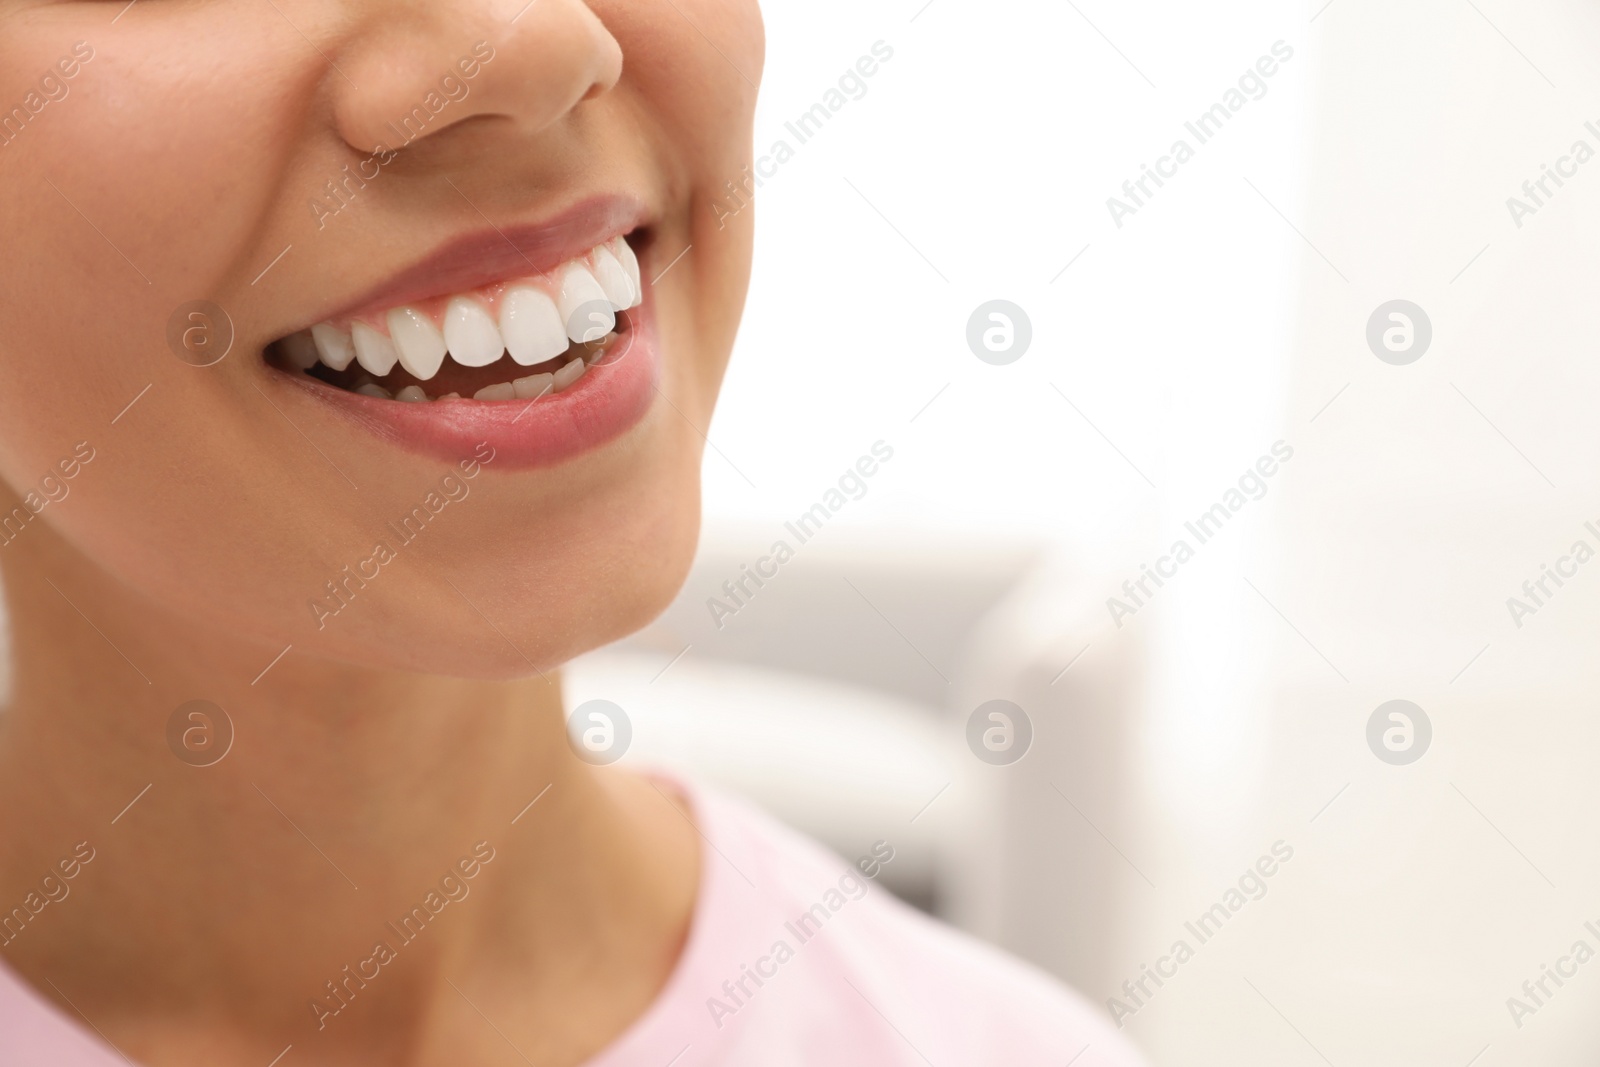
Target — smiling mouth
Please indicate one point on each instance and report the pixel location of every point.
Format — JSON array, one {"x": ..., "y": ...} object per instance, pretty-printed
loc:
[{"x": 527, "y": 338}]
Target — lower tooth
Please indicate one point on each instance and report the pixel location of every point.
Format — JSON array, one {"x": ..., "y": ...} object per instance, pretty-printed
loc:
[
  {"x": 411, "y": 394},
  {"x": 499, "y": 391},
  {"x": 593, "y": 350},
  {"x": 569, "y": 374},
  {"x": 534, "y": 386},
  {"x": 378, "y": 391}
]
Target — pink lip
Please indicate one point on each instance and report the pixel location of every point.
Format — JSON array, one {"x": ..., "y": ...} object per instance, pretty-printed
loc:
[
  {"x": 495, "y": 255},
  {"x": 606, "y": 402}
]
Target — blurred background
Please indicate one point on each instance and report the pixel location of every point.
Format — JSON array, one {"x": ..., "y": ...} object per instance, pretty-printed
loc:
[{"x": 1174, "y": 343}]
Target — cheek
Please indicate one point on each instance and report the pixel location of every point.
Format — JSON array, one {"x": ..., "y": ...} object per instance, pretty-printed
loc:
[
  {"x": 132, "y": 195},
  {"x": 702, "y": 103},
  {"x": 703, "y": 96},
  {"x": 166, "y": 175}
]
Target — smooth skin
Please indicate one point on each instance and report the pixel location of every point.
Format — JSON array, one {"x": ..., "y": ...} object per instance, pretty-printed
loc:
[{"x": 421, "y": 720}]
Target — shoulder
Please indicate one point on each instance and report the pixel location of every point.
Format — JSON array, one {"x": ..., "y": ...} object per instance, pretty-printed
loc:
[{"x": 845, "y": 963}]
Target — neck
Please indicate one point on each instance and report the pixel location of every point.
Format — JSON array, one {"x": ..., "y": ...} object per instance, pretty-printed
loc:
[{"x": 347, "y": 801}]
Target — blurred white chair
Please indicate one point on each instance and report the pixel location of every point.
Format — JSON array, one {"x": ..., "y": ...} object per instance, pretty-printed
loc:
[{"x": 838, "y": 697}]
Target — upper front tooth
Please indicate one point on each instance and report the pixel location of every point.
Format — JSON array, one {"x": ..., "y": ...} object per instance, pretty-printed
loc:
[
  {"x": 420, "y": 344},
  {"x": 531, "y": 325},
  {"x": 470, "y": 333},
  {"x": 333, "y": 345},
  {"x": 583, "y": 305},
  {"x": 613, "y": 278},
  {"x": 374, "y": 351},
  {"x": 620, "y": 248}
]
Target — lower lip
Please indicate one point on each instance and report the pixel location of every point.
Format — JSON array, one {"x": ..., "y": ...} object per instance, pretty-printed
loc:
[{"x": 602, "y": 405}]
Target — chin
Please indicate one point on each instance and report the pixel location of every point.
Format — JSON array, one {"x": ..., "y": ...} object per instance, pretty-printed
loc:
[{"x": 592, "y": 571}]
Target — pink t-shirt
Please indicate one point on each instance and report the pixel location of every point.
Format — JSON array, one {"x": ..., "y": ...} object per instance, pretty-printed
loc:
[{"x": 795, "y": 958}]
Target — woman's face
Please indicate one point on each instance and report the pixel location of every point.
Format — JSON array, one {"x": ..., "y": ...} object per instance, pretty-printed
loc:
[{"x": 439, "y": 189}]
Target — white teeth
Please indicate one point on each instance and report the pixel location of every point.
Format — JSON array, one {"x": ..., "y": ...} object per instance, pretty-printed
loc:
[
  {"x": 613, "y": 278},
  {"x": 419, "y": 342},
  {"x": 583, "y": 305},
  {"x": 569, "y": 374},
  {"x": 593, "y": 351},
  {"x": 619, "y": 247},
  {"x": 534, "y": 386},
  {"x": 300, "y": 350},
  {"x": 333, "y": 345},
  {"x": 374, "y": 351},
  {"x": 470, "y": 333},
  {"x": 531, "y": 325}
]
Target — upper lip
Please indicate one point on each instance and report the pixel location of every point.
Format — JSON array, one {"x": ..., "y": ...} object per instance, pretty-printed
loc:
[{"x": 487, "y": 256}]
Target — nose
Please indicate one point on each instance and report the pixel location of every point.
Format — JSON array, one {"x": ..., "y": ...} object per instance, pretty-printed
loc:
[{"x": 412, "y": 70}]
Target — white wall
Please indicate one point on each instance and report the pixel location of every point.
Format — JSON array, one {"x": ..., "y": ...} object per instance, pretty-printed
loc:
[
  {"x": 991, "y": 143},
  {"x": 1225, "y": 316}
]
